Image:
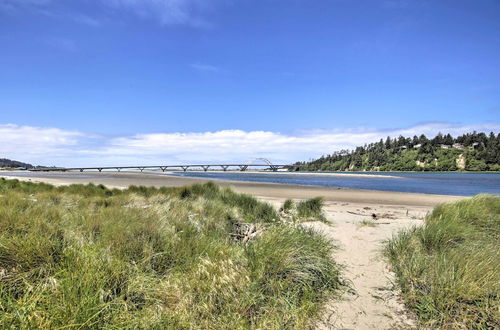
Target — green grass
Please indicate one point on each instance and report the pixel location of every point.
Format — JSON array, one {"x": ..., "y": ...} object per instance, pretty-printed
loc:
[
  {"x": 84, "y": 256},
  {"x": 449, "y": 269},
  {"x": 288, "y": 206},
  {"x": 311, "y": 209},
  {"x": 303, "y": 211}
]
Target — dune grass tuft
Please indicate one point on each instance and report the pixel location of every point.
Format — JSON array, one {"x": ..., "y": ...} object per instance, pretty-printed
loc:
[
  {"x": 311, "y": 209},
  {"x": 288, "y": 206},
  {"x": 449, "y": 269},
  {"x": 84, "y": 256},
  {"x": 303, "y": 211}
]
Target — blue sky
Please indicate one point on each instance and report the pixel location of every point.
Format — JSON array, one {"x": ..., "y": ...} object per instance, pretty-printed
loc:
[{"x": 107, "y": 81}]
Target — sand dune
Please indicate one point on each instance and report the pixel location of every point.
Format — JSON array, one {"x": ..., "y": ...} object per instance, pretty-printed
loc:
[{"x": 372, "y": 302}]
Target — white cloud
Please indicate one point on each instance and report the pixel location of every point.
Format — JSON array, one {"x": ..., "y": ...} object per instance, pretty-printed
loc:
[
  {"x": 237, "y": 145},
  {"x": 14, "y": 6},
  {"x": 21, "y": 3},
  {"x": 36, "y": 139},
  {"x": 52, "y": 146},
  {"x": 46, "y": 8},
  {"x": 205, "y": 67},
  {"x": 86, "y": 20},
  {"x": 36, "y": 144},
  {"x": 167, "y": 12}
]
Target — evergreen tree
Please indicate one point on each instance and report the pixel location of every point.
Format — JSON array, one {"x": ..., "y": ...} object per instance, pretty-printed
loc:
[{"x": 482, "y": 153}]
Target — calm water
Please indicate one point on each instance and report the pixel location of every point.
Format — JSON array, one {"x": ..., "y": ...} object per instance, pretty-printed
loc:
[{"x": 463, "y": 184}]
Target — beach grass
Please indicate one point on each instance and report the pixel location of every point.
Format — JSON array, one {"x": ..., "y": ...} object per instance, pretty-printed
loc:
[
  {"x": 198, "y": 257},
  {"x": 288, "y": 206},
  {"x": 449, "y": 269},
  {"x": 311, "y": 209},
  {"x": 303, "y": 211}
]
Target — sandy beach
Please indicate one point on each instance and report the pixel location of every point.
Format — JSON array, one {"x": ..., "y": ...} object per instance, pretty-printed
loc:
[
  {"x": 329, "y": 174},
  {"x": 318, "y": 173},
  {"x": 372, "y": 301},
  {"x": 270, "y": 190}
]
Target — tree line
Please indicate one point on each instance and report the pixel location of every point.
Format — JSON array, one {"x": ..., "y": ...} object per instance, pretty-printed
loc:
[
  {"x": 7, "y": 163},
  {"x": 471, "y": 152}
]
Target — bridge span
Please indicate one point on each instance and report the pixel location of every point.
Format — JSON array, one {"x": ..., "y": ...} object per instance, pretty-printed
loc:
[{"x": 163, "y": 168}]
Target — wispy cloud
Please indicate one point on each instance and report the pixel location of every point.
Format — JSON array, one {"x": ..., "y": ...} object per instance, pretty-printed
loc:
[
  {"x": 75, "y": 17},
  {"x": 168, "y": 12},
  {"x": 403, "y": 4},
  {"x": 204, "y": 67},
  {"x": 15, "y": 4},
  {"x": 53, "y": 146},
  {"x": 395, "y": 3},
  {"x": 46, "y": 8},
  {"x": 63, "y": 44},
  {"x": 87, "y": 20},
  {"x": 13, "y": 7},
  {"x": 165, "y": 12}
]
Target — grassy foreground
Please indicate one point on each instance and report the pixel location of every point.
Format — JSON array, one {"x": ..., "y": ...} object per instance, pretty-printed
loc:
[
  {"x": 193, "y": 257},
  {"x": 449, "y": 269}
]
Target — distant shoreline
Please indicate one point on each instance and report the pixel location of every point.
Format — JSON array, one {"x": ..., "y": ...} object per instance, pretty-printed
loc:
[
  {"x": 395, "y": 171},
  {"x": 267, "y": 190},
  {"x": 298, "y": 173},
  {"x": 357, "y": 173}
]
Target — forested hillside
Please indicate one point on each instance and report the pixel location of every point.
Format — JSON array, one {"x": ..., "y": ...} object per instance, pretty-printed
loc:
[
  {"x": 470, "y": 152},
  {"x": 13, "y": 163}
]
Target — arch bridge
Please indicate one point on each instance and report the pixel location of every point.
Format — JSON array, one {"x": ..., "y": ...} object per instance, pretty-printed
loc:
[{"x": 163, "y": 168}]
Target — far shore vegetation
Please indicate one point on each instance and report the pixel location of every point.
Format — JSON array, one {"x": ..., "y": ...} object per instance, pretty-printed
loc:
[
  {"x": 468, "y": 152},
  {"x": 7, "y": 163},
  {"x": 197, "y": 257},
  {"x": 449, "y": 269}
]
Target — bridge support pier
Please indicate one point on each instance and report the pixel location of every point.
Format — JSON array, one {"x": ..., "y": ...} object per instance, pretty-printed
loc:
[{"x": 195, "y": 167}]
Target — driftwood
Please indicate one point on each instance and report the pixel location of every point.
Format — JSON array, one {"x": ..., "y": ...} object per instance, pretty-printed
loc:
[
  {"x": 247, "y": 231},
  {"x": 373, "y": 215}
]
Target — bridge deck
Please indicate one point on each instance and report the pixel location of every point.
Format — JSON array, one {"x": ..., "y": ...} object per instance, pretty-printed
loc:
[{"x": 204, "y": 167}]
